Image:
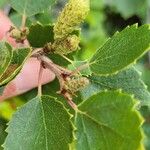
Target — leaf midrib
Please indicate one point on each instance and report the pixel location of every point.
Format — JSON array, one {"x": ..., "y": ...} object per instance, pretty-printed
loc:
[
  {"x": 99, "y": 123},
  {"x": 44, "y": 122}
]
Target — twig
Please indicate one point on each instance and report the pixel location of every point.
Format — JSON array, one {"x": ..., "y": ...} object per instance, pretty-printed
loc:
[
  {"x": 23, "y": 21},
  {"x": 62, "y": 74},
  {"x": 48, "y": 64},
  {"x": 63, "y": 69},
  {"x": 69, "y": 60},
  {"x": 37, "y": 52},
  {"x": 58, "y": 72},
  {"x": 68, "y": 97},
  {"x": 40, "y": 80},
  {"x": 82, "y": 67},
  {"x": 73, "y": 105}
]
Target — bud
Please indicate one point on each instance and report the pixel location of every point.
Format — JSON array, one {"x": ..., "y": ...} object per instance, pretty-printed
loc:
[
  {"x": 72, "y": 85},
  {"x": 48, "y": 48},
  {"x": 67, "y": 45},
  {"x": 19, "y": 35},
  {"x": 72, "y": 15},
  {"x": 15, "y": 33}
]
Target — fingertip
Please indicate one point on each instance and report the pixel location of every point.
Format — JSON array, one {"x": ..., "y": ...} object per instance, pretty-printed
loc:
[
  {"x": 9, "y": 91},
  {"x": 27, "y": 79},
  {"x": 5, "y": 25}
]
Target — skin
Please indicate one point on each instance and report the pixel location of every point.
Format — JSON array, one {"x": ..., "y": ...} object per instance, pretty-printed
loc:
[{"x": 27, "y": 79}]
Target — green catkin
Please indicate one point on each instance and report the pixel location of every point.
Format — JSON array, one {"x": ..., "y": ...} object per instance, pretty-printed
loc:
[
  {"x": 72, "y": 85},
  {"x": 67, "y": 45},
  {"x": 72, "y": 15}
]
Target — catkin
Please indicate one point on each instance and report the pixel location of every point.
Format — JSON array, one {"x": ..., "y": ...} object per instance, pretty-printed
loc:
[
  {"x": 67, "y": 45},
  {"x": 72, "y": 85},
  {"x": 72, "y": 15}
]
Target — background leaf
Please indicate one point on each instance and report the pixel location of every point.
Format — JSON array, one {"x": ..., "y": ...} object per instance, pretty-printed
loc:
[
  {"x": 42, "y": 123},
  {"x": 5, "y": 56},
  {"x": 108, "y": 121},
  {"x": 3, "y": 3},
  {"x": 1, "y": 89},
  {"x": 40, "y": 35},
  {"x": 146, "y": 126},
  {"x": 128, "y": 80},
  {"x": 127, "y": 8},
  {"x": 122, "y": 50},
  {"x": 31, "y": 7},
  {"x": 2, "y": 132},
  {"x": 17, "y": 62}
]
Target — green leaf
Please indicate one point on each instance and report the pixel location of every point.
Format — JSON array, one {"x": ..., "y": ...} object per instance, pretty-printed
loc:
[
  {"x": 45, "y": 17},
  {"x": 17, "y": 62},
  {"x": 5, "y": 56},
  {"x": 108, "y": 121},
  {"x": 147, "y": 133},
  {"x": 128, "y": 8},
  {"x": 42, "y": 123},
  {"x": 59, "y": 60},
  {"x": 145, "y": 111},
  {"x": 6, "y": 109},
  {"x": 1, "y": 89},
  {"x": 145, "y": 73},
  {"x": 30, "y": 7},
  {"x": 2, "y": 132},
  {"x": 122, "y": 50},
  {"x": 17, "y": 20},
  {"x": 3, "y": 3},
  {"x": 40, "y": 34},
  {"x": 128, "y": 80}
]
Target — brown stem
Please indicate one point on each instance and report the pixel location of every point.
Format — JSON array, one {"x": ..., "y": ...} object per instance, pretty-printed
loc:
[
  {"x": 80, "y": 68},
  {"x": 73, "y": 105},
  {"x": 37, "y": 52},
  {"x": 50, "y": 65},
  {"x": 69, "y": 100},
  {"x": 67, "y": 59},
  {"x": 59, "y": 72},
  {"x": 63, "y": 69},
  {"x": 40, "y": 79}
]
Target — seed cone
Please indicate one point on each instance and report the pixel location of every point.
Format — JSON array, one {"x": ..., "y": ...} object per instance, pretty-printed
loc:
[{"x": 72, "y": 15}]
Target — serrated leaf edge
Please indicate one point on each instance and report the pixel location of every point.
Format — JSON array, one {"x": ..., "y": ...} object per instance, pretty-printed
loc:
[
  {"x": 57, "y": 101},
  {"x": 133, "y": 109},
  {"x": 9, "y": 60},
  {"x": 132, "y": 63},
  {"x": 17, "y": 70}
]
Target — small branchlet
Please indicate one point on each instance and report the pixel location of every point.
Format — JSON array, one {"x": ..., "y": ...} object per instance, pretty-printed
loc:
[
  {"x": 19, "y": 35},
  {"x": 71, "y": 16},
  {"x": 69, "y": 83},
  {"x": 70, "y": 86}
]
